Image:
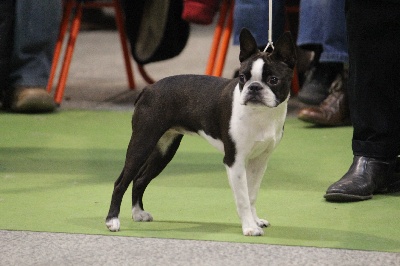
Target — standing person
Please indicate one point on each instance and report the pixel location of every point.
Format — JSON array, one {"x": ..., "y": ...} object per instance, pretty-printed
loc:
[
  {"x": 28, "y": 30},
  {"x": 374, "y": 99}
]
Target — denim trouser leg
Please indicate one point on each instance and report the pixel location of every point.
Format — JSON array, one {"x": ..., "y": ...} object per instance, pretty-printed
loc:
[
  {"x": 253, "y": 15},
  {"x": 35, "y": 33},
  {"x": 323, "y": 23}
]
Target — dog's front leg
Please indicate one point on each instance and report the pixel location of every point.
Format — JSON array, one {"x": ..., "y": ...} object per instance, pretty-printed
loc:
[
  {"x": 255, "y": 171},
  {"x": 238, "y": 181}
]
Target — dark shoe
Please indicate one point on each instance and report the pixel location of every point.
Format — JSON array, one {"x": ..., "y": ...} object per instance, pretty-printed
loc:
[
  {"x": 317, "y": 82},
  {"x": 334, "y": 110},
  {"x": 30, "y": 100},
  {"x": 366, "y": 176}
]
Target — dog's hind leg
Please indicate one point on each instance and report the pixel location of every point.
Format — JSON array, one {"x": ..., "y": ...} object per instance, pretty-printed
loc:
[
  {"x": 112, "y": 221},
  {"x": 157, "y": 161},
  {"x": 137, "y": 154}
]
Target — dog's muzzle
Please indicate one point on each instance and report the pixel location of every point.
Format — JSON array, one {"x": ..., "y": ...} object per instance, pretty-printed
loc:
[
  {"x": 254, "y": 88},
  {"x": 253, "y": 94}
]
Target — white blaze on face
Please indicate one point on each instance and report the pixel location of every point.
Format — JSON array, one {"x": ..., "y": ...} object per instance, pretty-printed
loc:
[{"x": 257, "y": 70}]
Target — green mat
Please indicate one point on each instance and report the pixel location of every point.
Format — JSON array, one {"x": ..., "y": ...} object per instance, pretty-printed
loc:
[{"x": 57, "y": 173}]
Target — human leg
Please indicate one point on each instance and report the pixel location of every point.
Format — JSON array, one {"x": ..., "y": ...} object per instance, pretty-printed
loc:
[
  {"x": 253, "y": 15},
  {"x": 322, "y": 30},
  {"x": 374, "y": 91},
  {"x": 6, "y": 33},
  {"x": 35, "y": 32},
  {"x": 374, "y": 99}
]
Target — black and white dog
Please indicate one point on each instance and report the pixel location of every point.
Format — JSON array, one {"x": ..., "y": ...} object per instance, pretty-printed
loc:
[{"x": 242, "y": 117}]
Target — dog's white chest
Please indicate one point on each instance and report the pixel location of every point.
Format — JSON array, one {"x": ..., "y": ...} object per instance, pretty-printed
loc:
[{"x": 256, "y": 129}]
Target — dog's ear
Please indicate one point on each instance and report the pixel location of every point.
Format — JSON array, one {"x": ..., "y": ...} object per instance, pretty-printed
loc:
[
  {"x": 248, "y": 45},
  {"x": 285, "y": 50}
]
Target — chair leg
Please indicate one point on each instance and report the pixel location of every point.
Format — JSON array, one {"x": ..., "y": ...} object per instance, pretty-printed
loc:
[
  {"x": 219, "y": 67},
  {"x": 217, "y": 37},
  {"x": 73, "y": 35},
  {"x": 57, "y": 50},
  {"x": 122, "y": 35},
  {"x": 75, "y": 26},
  {"x": 295, "y": 81},
  {"x": 144, "y": 74}
]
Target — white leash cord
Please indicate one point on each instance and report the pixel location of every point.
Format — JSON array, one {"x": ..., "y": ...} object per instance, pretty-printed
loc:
[{"x": 270, "y": 43}]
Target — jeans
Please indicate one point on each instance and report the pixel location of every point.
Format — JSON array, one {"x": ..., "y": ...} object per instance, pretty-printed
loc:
[
  {"x": 322, "y": 24},
  {"x": 36, "y": 27},
  {"x": 253, "y": 15}
]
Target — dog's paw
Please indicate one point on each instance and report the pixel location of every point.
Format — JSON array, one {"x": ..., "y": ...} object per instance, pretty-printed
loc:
[
  {"x": 262, "y": 223},
  {"x": 256, "y": 231},
  {"x": 113, "y": 224},
  {"x": 141, "y": 216}
]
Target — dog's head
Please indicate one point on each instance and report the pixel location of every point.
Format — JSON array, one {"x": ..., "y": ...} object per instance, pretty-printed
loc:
[{"x": 265, "y": 78}]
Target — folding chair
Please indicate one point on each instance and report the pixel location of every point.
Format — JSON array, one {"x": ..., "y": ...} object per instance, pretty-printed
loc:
[{"x": 77, "y": 6}]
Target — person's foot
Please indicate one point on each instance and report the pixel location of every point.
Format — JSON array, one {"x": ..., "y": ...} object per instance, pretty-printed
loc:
[
  {"x": 366, "y": 177},
  {"x": 334, "y": 110},
  {"x": 318, "y": 80},
  {"x": 29, "y": 100}
]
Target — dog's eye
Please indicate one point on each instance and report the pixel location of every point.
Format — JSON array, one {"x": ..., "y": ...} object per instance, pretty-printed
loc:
[
  {"x": 242, "y": 78},
  {"x": 273, "y": 80}
]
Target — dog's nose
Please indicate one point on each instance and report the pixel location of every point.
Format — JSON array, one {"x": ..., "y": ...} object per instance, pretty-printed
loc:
[{"x": 255, "y": 87}]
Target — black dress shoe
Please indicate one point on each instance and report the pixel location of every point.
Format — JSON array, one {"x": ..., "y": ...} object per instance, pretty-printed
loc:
[{"x": 366, "y": 176}]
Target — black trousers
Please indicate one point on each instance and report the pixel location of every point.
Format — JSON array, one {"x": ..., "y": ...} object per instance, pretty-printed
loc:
[
  {"x": 373, "y": 28},
  {"x": 6, "y": 37}
]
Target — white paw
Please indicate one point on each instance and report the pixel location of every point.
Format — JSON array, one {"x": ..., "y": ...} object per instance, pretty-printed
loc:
[
  {"x": 113, "y": 224},
  {"x": 257, "y": 231},
  {"x": 141, "y": 216},
  {"x": 262, "y": 223}
]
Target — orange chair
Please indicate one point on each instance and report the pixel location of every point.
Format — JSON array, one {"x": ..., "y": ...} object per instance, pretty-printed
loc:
[
  {"x": 78, "y": 6},
  {"x": 222, "y": 35},
  {"x": 221, "y": 39}
]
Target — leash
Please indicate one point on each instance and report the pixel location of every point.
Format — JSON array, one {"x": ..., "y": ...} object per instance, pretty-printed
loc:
[{"x": 270, "y": 43}]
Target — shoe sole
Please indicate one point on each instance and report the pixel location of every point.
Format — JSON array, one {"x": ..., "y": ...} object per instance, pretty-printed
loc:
[
  {"x": 344, "y": 123},
  {"x": 340, "y": 197}
]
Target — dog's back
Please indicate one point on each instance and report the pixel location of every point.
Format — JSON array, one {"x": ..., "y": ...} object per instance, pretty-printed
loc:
[{"x": 190, "y": 97}]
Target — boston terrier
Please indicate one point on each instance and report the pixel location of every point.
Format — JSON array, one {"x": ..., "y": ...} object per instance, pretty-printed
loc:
[{"x": 242, "y": 117}]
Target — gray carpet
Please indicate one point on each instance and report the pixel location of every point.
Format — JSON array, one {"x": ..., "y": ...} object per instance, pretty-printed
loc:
[{"x": 28, "y": 248}]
